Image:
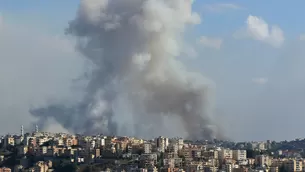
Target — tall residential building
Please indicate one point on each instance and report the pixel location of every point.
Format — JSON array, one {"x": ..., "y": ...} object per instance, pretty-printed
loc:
[
  {"x": 263, "y": 160},
  {"x": 180, "y": 143},
  {"x": 294, "y": 165},
  {"x": 160, "y": 142},
  {"x": 9, "y": 140},
  {"x": 28, "y": 140},
  {"x": 239, "y": 155},
  {"x": 21, "y": 131},
  {"x": 147, "y": 148},
  {"x": 225, "y": 154},
  {"x": 212, "y": 154},
  {"x": 173, "y": 148},
  {"x": 262, "y": 146},
  {"x": 166, "y": 142},
  {"x": 102, "y": 142},
  {"x": 228, "y": 168}
]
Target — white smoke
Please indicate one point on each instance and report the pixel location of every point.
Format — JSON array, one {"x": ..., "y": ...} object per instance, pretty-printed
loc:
[{"x": 137, "y": 86}]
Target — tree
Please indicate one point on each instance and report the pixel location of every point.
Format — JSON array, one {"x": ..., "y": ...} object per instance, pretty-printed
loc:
[
  {"x": 91, "y": 168},
  {"x": 283, "y": 169},
  {"x": 140, "y": 151},
  {"x": 160, "y": 160},
  {"x": 252, "y": 153},
  {"x": 64, "y": 167}
]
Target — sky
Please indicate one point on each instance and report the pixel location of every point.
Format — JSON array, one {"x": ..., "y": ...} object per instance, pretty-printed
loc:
[{"x": 252, "y": 50}]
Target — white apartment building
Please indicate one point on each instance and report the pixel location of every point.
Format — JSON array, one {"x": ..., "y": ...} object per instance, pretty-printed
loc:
[
  {"x": 228, "y": 168},
  {"x": 18, "y": 140},
  {"x": 169, "y": 163},
  {"x": 239, "y": 155},
  {"x": 173, "y": 148},
  {"x": 27, "y": 140},
  {"x": 147, "y": 148},
  {"x": 22, "y": 150},
  {"x": 213, "y": 154},
  {"x": 180, "y": 143},
  {"x": 262, "y": 146},
  {"x": 92, "y": 144},
  {"x": 225, "y": 154},
  {"x": 100, "y": 142},
  {"x": 43, "y": 150},
  {"x": 8, "y": 140},
  {"x": 263, "y": 160},
  {"x": 160, "y": 141},
  {"x": 294, "y": 165},
  {"x": 166, "y": 142},
  {"x": 59, "y": 141}
]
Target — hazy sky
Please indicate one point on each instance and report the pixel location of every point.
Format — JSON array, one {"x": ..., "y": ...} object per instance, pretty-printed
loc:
[{"x": 254, "y": 51}]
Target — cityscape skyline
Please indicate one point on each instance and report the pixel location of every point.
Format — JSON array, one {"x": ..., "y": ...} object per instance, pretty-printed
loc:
[
  {"x": 256, "y": 73},
  {"x": 44, "y": 152},
  {"x": 35, "y": 129}
]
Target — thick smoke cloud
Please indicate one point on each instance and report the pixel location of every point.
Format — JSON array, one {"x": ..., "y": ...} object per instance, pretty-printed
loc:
[{"x": 137, "y": 86}]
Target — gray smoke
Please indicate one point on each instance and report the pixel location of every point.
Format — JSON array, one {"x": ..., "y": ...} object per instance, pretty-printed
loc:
[{"x": 137, "y": 86}]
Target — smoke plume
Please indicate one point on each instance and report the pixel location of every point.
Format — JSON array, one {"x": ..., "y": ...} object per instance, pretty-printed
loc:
[{"x": 137, "y": 86}]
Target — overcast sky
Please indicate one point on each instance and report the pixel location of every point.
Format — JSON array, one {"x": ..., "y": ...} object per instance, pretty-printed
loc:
[{"x": 255, "y": 56}]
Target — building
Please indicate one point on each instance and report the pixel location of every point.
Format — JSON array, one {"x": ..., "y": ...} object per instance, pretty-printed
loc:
[
  {"x": 225, "y": 154},
  {"x": 41, "y": 166},
  {"x": 262, "y": 160},
  {"x": 294, "y": 165},
  {"x": 240, "y": 169},
  {"x": 212, "y": 154},
  {"x": 261, "y": 146},
  {"x": 147, "y": 148},
  {"x": 180, "y": 143},
  {"x": 4, "y": 169},
  {"x": 173, "y": 148},
  {"x": 97, "y": 153},
  {"x": 28, "y": 140},
  {"x": 274, "y": 169},
  {"x": 239, "y": 155},
  {"x": 228, "y": 168},
  {"x": 166, "y": 142},
  {"x": 22, "y": 150},
  {"x": 160, "y": 142},
  {"x": 9, "y": 140}
]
